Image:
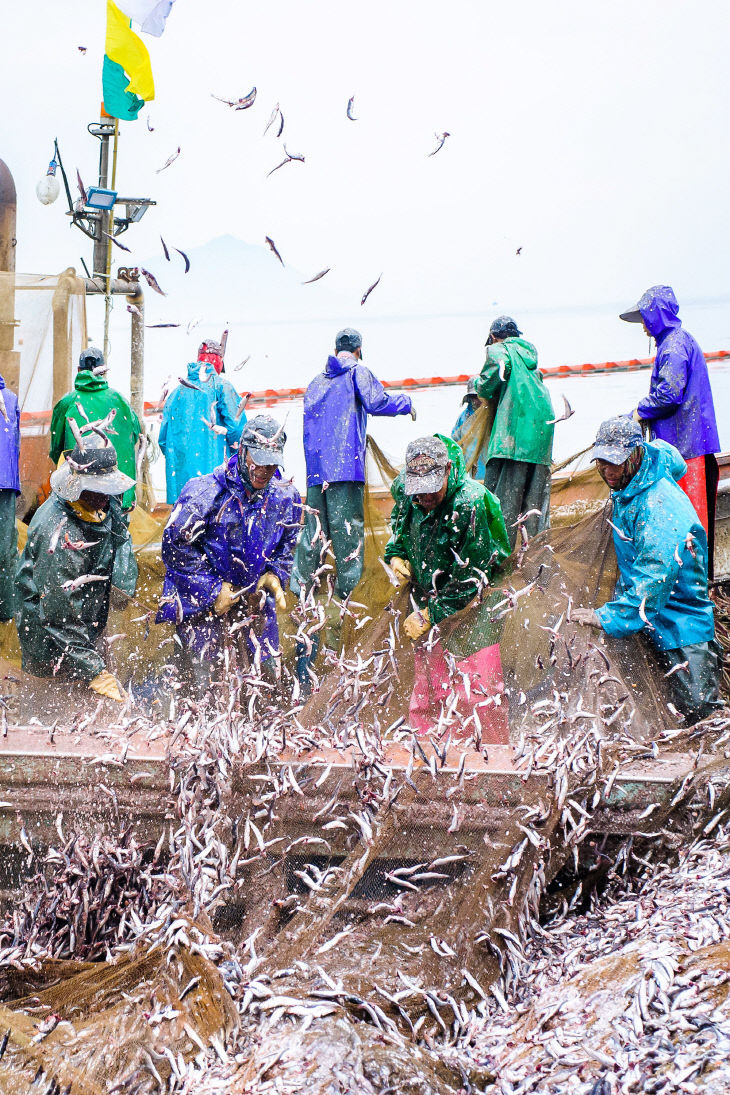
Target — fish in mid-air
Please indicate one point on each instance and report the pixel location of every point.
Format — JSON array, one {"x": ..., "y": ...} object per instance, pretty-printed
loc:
[{"x": 239, "y": 104}]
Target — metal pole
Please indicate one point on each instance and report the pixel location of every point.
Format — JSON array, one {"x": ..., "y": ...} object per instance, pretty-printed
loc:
[
  {"x": 136, "y": 387},
  {"x": 108, "y": 227}
]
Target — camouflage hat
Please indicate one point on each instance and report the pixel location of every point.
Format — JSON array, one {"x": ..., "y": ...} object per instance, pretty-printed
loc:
[
  {"x": 348, "y": 339},
  {"x": 426, "y": 462},
  {"x": 264, "y": 438},
  {"x": 93, "y": 468},
  {"x": 616, "y": 440},
  {"x": 210, "y": 346},
  {"x": 91, "y": 358},
  {"x": 471, "y": 389}
]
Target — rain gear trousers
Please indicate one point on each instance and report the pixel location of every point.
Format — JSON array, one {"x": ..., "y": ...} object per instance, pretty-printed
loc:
[
  {"x": 520, "y": 487},
  {"x": 190, "y": 444},
  {"x": 695, "y": 688},
  {"x": 60, "y": 624},
  {"x": 221, "y": 532},
  {"x": 661, "y": 550},
  {"x": 93, "y": 394},
  {"x": 679, "y": 406},
  {"x": 467, "y": 524},
  {"x": 8, "y": 553},
  {"x": 339, "y": 519}
]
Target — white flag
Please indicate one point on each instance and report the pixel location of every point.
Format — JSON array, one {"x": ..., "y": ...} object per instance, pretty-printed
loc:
[{"x": 150, "y": 14}]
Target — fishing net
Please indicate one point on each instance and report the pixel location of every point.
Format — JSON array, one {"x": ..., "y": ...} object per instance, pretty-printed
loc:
[
  {"x": 479, "y": 672},
  {"x": 91, "y": 1026}
]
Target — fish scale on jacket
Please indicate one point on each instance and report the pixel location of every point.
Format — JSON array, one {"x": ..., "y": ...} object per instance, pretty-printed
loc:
[
  {"x": 679, "y": 405},
  {"x": 336, "y": 408},
  {"x": 241, "y": 537},
  {"x": 654, "y": 518},
  {"x": 468, "y": 521}
]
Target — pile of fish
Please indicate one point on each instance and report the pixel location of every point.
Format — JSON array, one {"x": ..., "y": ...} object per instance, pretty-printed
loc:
[
  {"x": 421, "y": 989},
  {"x": 721, "y": 599},
  {"x": 90, "y": 898},
  {"x": 630, "y": 995}
]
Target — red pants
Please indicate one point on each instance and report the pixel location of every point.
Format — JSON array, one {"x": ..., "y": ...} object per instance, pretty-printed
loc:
[
  {"x": 486, "y": 692},
  {"x": 700, "y": 486}
]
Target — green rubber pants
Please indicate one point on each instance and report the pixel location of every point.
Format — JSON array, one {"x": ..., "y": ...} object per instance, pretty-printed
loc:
[
  {"x": 340, "y": 512},
  {"x": 8, "y": 553}
]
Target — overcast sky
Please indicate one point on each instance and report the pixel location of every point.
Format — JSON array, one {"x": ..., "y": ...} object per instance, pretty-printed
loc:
[{"x": 593, "y": 136}]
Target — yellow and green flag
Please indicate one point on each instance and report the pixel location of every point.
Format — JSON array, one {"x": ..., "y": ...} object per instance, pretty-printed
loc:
[{"x": 127, "y": 73}]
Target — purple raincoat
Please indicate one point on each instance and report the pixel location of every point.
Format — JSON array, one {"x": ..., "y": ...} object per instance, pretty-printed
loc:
[
  {"x": 9, "y": 441},
  {"x": 679, "y": 404},
  {"x": 218, "y": 533},
  {"x": 336, "y": 407}
]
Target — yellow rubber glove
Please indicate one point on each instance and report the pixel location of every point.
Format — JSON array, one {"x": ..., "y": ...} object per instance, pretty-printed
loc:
[
  {"x": 417, "y": 624},
  {"x": 271, "y": 584},
  {"x": 225, "y": 600},
  {"x": 401, "y": 568},
  {"x": 637, "y": 417},
  {"x": 107, "y": 685}
]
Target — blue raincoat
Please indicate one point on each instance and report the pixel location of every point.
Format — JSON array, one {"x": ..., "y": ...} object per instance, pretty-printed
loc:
[
  {"x": 679, "y": 405},
  {"x": 190, "y": 446},
  {"x": 471, "y": 456},
  {"x": 219, "y": 533},
  {"x": 656, "y": 565},
  {"x": 9, "y": 441},
  {"x": 336, "y": 407}
]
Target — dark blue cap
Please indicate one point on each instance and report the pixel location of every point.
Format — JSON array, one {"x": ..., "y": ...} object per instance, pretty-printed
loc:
[
  {"x": 504, "y": 327},
  {"x": 348, "y": 339}
]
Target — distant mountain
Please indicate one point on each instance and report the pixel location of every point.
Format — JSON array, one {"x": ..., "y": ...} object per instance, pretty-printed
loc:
[{"x": 230, "y": 280}]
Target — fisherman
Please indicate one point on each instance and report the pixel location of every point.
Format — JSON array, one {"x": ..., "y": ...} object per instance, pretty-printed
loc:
[
  {"x": 201, "y": 422},
  {"x": 9, "y": 491},
  {"x": 661, "y": 549},
  {"x": 78, "y": 557},
  {"x": 228, "y": 549},
  {"x": 448, "y": 533},
  {"x": 336, "y": 406},
  {"x": 679, "y": 407},
  {"x": 521, "y": 441},
  {"x": 213, "y": 353},
  {"x": 471, "y": 432},
  {"x": 92, "y": 400}
]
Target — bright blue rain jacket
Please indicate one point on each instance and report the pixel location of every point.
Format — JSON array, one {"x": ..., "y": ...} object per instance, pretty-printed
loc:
[
  {"x": 219, "y": 533},
  {"x": 190, "y": 446},
  {"x": 336, "y": 408},
  {"x": 679, "y": 405},
  {"x": 655, "y": 562}
]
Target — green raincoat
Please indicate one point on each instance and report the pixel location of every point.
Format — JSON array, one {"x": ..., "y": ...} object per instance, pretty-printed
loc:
[
  {"x": 97, "y": 399},
  {"x": 469, "y": 522},
  {"x": 59, "y": 628},
  {"x": 520, "y": 430}
]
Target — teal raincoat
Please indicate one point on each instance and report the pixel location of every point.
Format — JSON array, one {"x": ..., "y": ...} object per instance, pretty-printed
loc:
[
  {"x": 191, "y": 446},
  {"x": 661, "y": 549}
]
